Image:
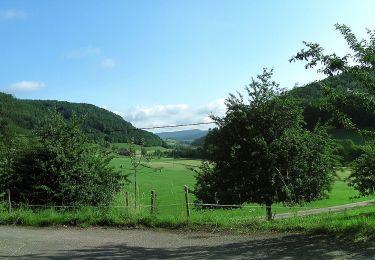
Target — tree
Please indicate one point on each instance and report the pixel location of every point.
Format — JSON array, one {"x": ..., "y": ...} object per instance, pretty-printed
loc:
[
  {"x": 362, "y": 177},
  {"x": 359, "y": 66},
  {"x": 261, "y": 153},
  {"x": 9, "y": 150},
  {"x": 63, "y": 168}
]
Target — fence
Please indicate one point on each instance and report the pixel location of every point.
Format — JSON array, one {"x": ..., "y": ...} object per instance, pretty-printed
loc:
[{"x": 186, "y": 207}]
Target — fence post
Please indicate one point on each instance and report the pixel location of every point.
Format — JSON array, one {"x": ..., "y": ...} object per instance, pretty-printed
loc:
[
  {"x": 186, "y": 188},
  {"x": 9, "y": 201},
  {"x": 153, "y": 197},
  {"x": 126, "y": 199}
]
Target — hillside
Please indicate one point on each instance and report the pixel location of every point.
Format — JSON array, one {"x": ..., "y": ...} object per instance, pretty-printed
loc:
[
  {"x": 101, "y": 124},
  {"x": 183, "y": 136},
  {"x": 311, "y": 95}
]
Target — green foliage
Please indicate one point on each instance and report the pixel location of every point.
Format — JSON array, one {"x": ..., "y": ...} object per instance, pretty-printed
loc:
[
  {"x": 347, "y": 151},
  {"x": 9, "y": 149},
  {"x": 359, "y": 64},
  {"x": 63, "y": 168},
  {"x": 102, "y": 125},
  {"x": 185, "y": 151},
  {"x": 363, "y": 174},
  {"x": 261, "y": 153}
]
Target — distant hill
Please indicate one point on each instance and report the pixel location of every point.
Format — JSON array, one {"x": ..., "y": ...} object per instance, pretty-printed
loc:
[
  {"x": 183, "y": 136},
  {"x": 102, "y": 124}
]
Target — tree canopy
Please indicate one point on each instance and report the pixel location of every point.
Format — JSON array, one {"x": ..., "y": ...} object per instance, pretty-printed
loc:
[
  {"x": 100, "y": 124},
  {"x": 260, "y": 152},
  {"x": 358, "y": 64},
  {"x": 61, "y": 167}
]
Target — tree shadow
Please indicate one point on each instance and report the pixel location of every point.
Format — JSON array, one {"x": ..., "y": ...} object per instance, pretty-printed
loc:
[{"x": 290, "y": 246}]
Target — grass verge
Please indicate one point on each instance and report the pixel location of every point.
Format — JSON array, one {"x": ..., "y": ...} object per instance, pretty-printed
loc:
[{"x": 357, "y": 224}]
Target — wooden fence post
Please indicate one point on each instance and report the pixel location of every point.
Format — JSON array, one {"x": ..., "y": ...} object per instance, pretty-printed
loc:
[
  {"x": 153, "y": 197},
  {"x": 9, "y": 201},
  {"x": 186, "y": 188},
  {"x": 126, "y": 199}
]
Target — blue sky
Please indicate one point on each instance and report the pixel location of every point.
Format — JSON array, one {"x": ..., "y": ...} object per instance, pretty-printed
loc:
[{"x": 163, "y": 62}]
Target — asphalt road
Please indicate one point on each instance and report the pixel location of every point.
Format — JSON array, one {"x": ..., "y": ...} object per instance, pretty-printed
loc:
[{"x": 101, "y": 243}]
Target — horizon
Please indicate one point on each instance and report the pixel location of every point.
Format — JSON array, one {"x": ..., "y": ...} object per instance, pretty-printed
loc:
[{"x": 163, "y": 63}]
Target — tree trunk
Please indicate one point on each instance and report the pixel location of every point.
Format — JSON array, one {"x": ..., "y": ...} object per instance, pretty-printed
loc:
[{"x": 269, "y": 210}]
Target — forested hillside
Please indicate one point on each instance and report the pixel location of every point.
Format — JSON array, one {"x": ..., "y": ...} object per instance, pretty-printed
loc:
[
  {"x": 99, "y": 123},
  {"x": 311, "y": 95}
]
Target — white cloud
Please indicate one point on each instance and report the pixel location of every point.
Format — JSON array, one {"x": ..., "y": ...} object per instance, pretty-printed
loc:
[
  {"x": 175, "y": 114},
  {"x": 84, "y": 52},
  {"x": 107, "y": 63},
  {"x": 12, "y": 14},
  {"x": 217, "y": 107},
  {"x": 27, "y": 86}
]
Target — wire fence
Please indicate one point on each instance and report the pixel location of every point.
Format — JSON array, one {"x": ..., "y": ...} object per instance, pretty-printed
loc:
[{"x": 184, "y": 207}]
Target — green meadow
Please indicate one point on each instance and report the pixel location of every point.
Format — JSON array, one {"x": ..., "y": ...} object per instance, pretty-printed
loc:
[{"x": 168, "y": 176}]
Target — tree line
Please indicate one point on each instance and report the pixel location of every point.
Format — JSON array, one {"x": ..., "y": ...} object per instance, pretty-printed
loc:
[{"x": 102, "y": 125}]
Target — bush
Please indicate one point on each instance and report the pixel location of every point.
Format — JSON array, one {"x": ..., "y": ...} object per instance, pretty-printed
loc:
[
  {"x": 63, "y": 168},
  {"x": 362, "y": 177}
]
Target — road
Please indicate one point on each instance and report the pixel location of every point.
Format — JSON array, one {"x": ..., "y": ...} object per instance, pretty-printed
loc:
[
  {"x": 109, "y": 243},
  {"x": 326, "y": 210}
]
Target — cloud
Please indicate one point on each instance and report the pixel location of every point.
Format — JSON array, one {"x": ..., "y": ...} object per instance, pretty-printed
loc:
[
  {"x": 175, "y": 114},
  {"x": 12, "y": 14},
  {"x": 84, "y": 52},
  {"x": 217, "y": 107},
  {"x": 107, "y": 63},
  {"x": 26, "y": 86}
]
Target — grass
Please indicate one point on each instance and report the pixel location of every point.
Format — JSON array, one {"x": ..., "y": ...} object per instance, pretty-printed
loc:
[
  {"x": 358, "y": 224},
  {"x": 168, "y": 176}
]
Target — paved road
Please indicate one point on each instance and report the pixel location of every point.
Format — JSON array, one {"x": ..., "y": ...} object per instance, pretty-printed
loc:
[{"x": 95, "y": 243}]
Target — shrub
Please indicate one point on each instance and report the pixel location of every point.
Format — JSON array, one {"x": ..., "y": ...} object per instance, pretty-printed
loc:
[{"x": 64, "y": 168}]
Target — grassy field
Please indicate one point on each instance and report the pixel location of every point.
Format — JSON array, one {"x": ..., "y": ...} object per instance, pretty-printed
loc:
[{"x": 168, "y": 176}]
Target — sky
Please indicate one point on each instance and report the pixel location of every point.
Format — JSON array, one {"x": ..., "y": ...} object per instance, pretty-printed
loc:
[{"x": 163, "y": 62}]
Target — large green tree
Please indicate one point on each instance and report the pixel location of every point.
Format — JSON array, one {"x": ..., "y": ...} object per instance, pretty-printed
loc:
[
  {"x": 359, "y": 66},
  {"x": 63, "y": 168},
  {"x": 260, "y": 152}
]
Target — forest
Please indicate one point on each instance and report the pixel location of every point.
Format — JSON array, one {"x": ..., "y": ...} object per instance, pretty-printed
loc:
[{"x": 99, "y": 124}]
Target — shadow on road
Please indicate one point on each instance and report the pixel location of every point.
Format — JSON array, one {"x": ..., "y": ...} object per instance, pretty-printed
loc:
[{"x": 291, "y": 247}]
